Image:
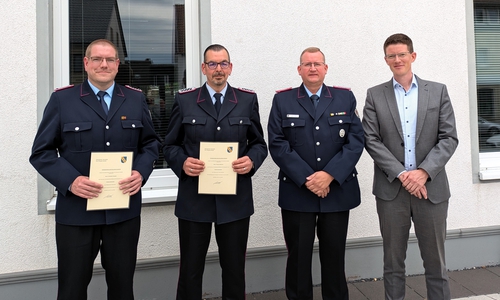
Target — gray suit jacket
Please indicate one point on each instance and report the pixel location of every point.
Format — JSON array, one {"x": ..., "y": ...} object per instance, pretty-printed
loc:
[{"x": 436, "y": 138}]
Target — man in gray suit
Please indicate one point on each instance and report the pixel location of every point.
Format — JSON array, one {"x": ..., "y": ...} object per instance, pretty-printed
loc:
[{"x": 410, "y": 133}]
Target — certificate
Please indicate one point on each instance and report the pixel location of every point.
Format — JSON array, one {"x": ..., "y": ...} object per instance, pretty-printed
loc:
[
  {"x": 218, "y": 176},
  {"x": 107, "y": 168}
]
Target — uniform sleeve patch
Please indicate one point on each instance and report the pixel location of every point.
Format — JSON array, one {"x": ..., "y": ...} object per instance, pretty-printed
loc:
[
  {"x": 246, "y": 90},
  {"x": 283, "y": 90},
  {"x": 133, "y": 88},
  {"x": 341, "y": 88},
  {"x": 64, "y": 88},
  {"x": 187, "y": 90}
]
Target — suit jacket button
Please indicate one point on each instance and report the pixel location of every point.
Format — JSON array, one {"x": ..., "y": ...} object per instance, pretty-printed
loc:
[
  {"x": 107, "y": 144},
  {"x": 293, "y": 124},
  {"x": 107, "y": 126},
  {"x": 317, "y": 127},
  {"x": 77, "y": 128},
  {"x": 284, "y": 178},
  {"x": 402, "y": 144},
  {"x": 218, "y": 128},
  {"x": 194, "y": 121},
  {"x": 318, "y": 159}
]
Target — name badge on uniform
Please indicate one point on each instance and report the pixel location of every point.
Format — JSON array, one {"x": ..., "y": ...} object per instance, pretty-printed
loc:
[
  {"x": 342, "y": 133},
  {"x": 292, "y": 116}
]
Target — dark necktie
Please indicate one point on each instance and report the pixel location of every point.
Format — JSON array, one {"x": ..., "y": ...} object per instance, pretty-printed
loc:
[
  {"x": 217, "y": 103},
  {"x": 103, "y": 103},
  {"x": 315, "y": 100}
]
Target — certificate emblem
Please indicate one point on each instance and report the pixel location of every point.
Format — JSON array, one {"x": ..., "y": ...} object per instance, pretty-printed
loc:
[
  {"x": 342, "y": 133},
  {"x": 229, "y": 149},
  {"x": 123, "y": 159}
]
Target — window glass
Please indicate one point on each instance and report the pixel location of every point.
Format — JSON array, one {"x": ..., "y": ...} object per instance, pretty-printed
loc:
[
  {"x": 150, "y": 37},
  {"x": 487, "y": 39}
]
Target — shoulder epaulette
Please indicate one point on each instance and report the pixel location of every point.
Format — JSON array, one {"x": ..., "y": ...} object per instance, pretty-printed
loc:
[
  {"x": 283, "y": 90},
  {"x": 133, "y": 88},
  {"x": 341, "y": 88},
  {"x": 246, "y": 90},
  {"x": 64, "y": 88},
  {"x": 187, "y": 90}
]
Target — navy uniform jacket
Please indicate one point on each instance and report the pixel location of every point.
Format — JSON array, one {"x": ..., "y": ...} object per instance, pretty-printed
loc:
[
  {"x": 303, "y": 141},
  {"x": 194, "y": 120},
  {"x": 74, "y": 125}
]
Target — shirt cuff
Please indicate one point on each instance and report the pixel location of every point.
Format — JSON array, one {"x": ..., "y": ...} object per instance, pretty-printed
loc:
[{"x": 404, "y": 171}]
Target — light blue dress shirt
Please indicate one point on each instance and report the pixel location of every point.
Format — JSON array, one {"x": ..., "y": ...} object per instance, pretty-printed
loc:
[
  {"x": 109, "y": 91},
  {"x": 317, "y": 93},
  {"x": 408, "y": 106},
  {"x": 212, "y": 92}
]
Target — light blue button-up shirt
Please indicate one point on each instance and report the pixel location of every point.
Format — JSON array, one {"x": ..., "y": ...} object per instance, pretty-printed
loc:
[
  {"x": 317, "y": 93},
  {"x": 212, "y": 92},
  {"x": 408, "y": 106},
  {"x": 109, "y": 91}
]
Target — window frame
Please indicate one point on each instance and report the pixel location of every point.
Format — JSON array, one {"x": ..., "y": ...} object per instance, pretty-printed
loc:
[
  {"x": 485, "y": 165},
  {"x": 162, "y": 184}
]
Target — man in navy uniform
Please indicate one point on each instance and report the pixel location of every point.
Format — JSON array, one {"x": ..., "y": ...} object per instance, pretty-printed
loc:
[
  {"x": 316, "y": 139},
  {"x": 195, "y": 118},
  {"x": 95, "y": 116}
]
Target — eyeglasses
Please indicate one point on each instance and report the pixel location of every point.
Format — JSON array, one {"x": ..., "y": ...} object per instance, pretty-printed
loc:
[
  {"x": 311, "y": 64},
  {"x": 98, "y": 60},
  {"x": 401, "y": 55},
  {"x": 213, "y": 65}
]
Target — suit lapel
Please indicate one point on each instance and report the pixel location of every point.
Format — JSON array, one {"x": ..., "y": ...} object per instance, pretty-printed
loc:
[
  {"x": 304, "y": 101},
  {"x": 324, "y": 101},
  {"x": 116, "y": 101},
  {"x": 229, "y": 103},
  {"x": 88, "y": 96},
  {"x": 205, "y": 102},
  {"x": 390, "y": 97},
  {"x": 423, "y": 102}
]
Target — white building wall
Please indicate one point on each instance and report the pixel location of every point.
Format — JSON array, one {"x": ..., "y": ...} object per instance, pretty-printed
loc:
[
  {"x": 265, "y": 39},
  {"x": 26, "y": 239}
]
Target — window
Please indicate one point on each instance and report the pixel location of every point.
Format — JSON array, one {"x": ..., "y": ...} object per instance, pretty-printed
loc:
[
  {"x": 487, "y": 47},
  {"x": 150, "y": 37},
  {"x": 154, "y": 39}
]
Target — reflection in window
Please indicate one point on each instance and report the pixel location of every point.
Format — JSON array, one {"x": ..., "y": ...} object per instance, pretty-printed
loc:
[
  {"x": 149, "y": 36},
  {"x": 487, "y": 38}
]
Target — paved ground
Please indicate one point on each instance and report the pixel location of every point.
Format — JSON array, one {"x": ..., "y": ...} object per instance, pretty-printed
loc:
[{"x": 474, "y": 284}]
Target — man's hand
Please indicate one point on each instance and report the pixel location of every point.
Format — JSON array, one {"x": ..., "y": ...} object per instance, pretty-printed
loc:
[
  {"x": 85, "y": 188},
  {"x": 422, "y": 193},
  {"x": 414, "y": 182},
  {"x": 193, "y": 167},
  {"x": 131, "y": 185},
  {"x": 242, "y": 165},
  {"x": 319, "y": 183}
]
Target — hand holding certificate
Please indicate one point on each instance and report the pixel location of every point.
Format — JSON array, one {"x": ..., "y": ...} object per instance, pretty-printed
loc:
[
  {"x": 218, "y": 176},
  {"x": 108, "y": 168}
]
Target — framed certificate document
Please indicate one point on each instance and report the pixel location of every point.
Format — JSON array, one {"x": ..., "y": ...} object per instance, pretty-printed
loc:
[
  {"x": 218, "y": 176},
  {"x": 108, "y": 168}
]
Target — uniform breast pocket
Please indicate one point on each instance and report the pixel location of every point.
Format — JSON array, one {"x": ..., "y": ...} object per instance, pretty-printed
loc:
[
  {"x": 238, "y": 128},
  {"x": 339, "y": 128},
  {"x": 294, "y": 130},
  {"x": 78, "y": 136},
  {"x": 131, "y": 133},
  {"x": 194, "y": 128}
]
